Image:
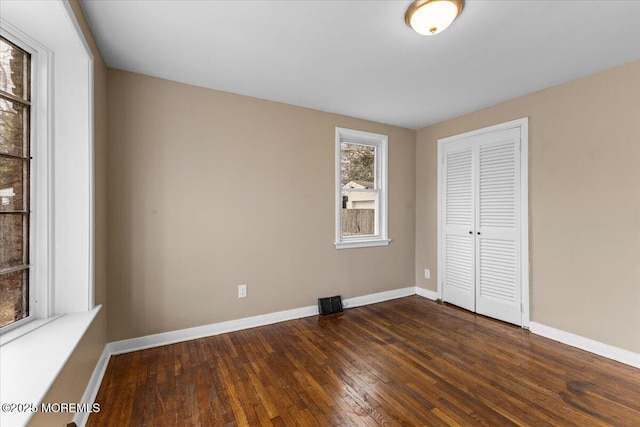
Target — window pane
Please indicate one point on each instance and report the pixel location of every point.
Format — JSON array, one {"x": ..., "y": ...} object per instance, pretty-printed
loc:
[
  {"x": 14, "y": 181},
  {"x": 358, "y": 165},
  {"x": 358, "y": 213},
  {"x": 11, "y": 188},
  {"x": 13, "y": 68},
  {"x": 13, "y": 297},
  {"x": 12, "y": 240},
  {"x": 12, "y": 126}
]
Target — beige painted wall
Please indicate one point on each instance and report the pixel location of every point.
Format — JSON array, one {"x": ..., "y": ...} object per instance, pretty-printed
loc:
[
  {"x": 72, "y": 381},
  {"x": 584, "y": 202},
  {"x": 208, "y": 190}
]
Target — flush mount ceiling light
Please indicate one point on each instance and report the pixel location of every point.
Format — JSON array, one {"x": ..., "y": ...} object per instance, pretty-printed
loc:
[{"x": 429, "y": 17}]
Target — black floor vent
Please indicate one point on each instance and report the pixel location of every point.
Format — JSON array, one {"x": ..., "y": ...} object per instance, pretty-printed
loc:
[{"x": 330, "y": 305}]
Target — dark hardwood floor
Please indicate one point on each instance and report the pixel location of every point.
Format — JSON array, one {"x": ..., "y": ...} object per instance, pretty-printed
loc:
[{"x": 404, "y": 362}]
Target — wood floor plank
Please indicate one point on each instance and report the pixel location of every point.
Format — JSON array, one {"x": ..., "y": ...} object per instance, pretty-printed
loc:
[{"x": 407, "y": 362}]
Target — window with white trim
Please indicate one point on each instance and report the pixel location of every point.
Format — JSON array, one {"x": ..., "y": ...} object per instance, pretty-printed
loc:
[
  {"x": 361, "y": 189},
  {"x": 15, "y": 188},
  {"x": 55, "y": 196}
]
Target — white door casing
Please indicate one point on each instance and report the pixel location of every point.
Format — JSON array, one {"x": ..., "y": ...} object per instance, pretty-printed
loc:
[{"x": 483, "y": 263}]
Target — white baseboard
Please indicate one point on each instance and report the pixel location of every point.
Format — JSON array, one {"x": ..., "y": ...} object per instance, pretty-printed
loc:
[
  {"x": 427, "y": 293},
  {"x": 605, "y": 350},
  {"x": 165, "y": 338},
  {"x": 378, "y": 297},
  {"x": 149, "y": 341},
  {"x": 91, "y": 391}
]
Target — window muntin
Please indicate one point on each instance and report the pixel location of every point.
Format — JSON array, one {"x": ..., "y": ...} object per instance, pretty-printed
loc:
[
  {"x": 361, "y": 181},
  {"x": 15, "y": 165}
]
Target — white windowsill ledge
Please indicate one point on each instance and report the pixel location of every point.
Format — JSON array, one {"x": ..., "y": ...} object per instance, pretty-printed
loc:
[
  {"x": 30, "y": 364},
  {"x": 24, "y": 329},
  {"x": 362, "y": 243}
]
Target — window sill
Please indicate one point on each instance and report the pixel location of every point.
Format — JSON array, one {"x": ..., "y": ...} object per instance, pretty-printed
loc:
[
  {"x": 352, "y": 244},
  {"x": 24, "y": 329},
  {"x": 30, "y": 363}
]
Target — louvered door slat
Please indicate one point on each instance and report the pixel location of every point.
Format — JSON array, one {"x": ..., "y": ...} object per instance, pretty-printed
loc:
[
  {"x": 459, "y": 203},
  {"x": 497, "y": 181},
  {"x": 459, "y": 255}
]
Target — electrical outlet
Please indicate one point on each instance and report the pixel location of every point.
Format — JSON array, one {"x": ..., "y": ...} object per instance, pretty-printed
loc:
[
  {"x": 427, "y": 273},
  {"x": 242, "y": 291}
]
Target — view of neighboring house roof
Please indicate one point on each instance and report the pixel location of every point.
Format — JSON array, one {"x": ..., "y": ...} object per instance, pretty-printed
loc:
[
  {"x": 359, "y": 185},
  {"x": 7, "y": 192}
]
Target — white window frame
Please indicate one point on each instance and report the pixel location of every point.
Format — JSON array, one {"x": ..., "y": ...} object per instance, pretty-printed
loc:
[
  {"x": 61, "y": 223},
  {"x": 380, "y": 143},
  {"x": 39, "y": 307}
]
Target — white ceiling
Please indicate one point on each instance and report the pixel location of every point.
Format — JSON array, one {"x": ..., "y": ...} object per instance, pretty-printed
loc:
[{"x": 358, "y": 58}]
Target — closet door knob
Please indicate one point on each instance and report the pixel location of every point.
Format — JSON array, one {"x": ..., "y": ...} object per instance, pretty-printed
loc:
[
  {"x": 471, "y": 232},
  {"x": 478, "y": 232}
]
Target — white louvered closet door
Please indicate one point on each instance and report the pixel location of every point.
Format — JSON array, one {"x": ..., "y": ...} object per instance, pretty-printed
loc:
[
  {"x": 481, "y": 224},
  {"x": 458, "y": 242},
  {"x": 498, "y": 289}
]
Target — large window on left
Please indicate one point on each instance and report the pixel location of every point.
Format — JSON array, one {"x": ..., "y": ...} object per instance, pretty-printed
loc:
[{"x": 15, "y": 171}]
